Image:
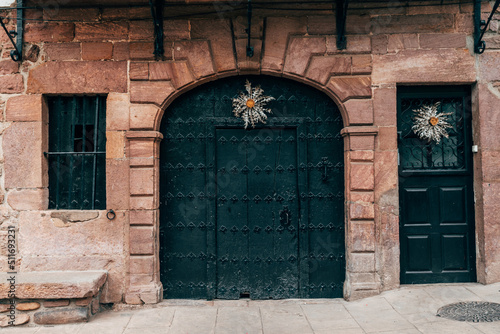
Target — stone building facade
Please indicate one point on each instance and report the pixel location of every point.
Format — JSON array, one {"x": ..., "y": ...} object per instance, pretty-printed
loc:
[{"x": 76, "y": 49}]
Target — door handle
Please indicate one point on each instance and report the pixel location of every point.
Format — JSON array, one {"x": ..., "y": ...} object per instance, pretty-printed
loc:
[{"x": 285, "y": 216}]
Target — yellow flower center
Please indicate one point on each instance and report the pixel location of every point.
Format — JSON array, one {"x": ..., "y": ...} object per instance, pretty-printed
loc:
[
  {"x": 250, "y": 103},
  {"x": 433, "y": 120}
]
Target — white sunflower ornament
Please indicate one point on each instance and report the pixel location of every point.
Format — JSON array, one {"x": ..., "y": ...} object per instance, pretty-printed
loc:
[
  {"x": 430, "y": 124},
  {"x": 250, "y": 106}
]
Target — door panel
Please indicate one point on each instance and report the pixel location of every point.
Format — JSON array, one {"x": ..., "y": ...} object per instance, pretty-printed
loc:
[
  {"x": 253, "y": 213},
  {"x": 436, "y": 199}
]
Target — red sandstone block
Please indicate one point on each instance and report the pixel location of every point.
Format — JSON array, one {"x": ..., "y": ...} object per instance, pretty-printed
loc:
[
  {"x": 56, "y": 303},
  {"x": 142, "y": 30},
  {"x": 83, "y": 301},
  {"x": 142, "y": 217},
  {"x": 349, "y": 87},
  {"x": 176, "y": 29},
  {"x": 143, "y": 116},
  {"x": 358, "y": 24},
  {"x": 321, "y": 68},
  {"x": 141, "y": 50},
  {"x": 97, "y": 51},
  {"x": 387, "y": 138},
  {"x": 143, "y": 203},
  {"x": 385, "y": 106},
  {"x": 150, "y": 91},
  {"x": 464, "y": 23},
  {"x": 357, "y": 43},
  {"x": 49, "y": 32},
  {"x": 361, "y": 262},
  {"x": 141, "y": 264},
  {"x": 379, "y": 44},
  {"x": 141, "y": 280},
  {"x": 121, "y": 51},
  {"x": 362, "y": 177},
  {"x": 117, "y": 183},
  {"x": 365, "y": 196},
  {"x": 198, "y": 54},
  {"x": 142, "y": 148},
  {"x": 402, "y": 41},
  {"x": 11, "y": 84},
  {"x": 139, "y": 71},
  {"x": 361, "y": 236},
  {"x": 362, "y": 64},
  {"x": 29, "y": 199},
  {"x": 102, "y": 31},
  {"x": 115, "y": 145},
  {"x": 394, "y": 24},
  {"x": 63, "y": 51},
  {"x": 142, "y": 181},
  {"x": 117, "y": 111},
  {"x": 299, "y": 51},
  {"x": 362, "y": 142},
  {"x": 361, "y": 156},
  {"x": 321, "y": 25},
  {"x": 141, "y": 240},
  {"x": 178, "y": 72},
  {"x": 430, "y": 7},
  {"x": 24, "y": 108},
  {"x": 360, "y": 112},
  {"x": 8, "y": 67},
  {"x": 79, "y": 14},
  {"x": 433, "y": 41}
]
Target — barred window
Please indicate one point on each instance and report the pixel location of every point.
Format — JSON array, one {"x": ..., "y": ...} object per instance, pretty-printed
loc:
[{"x": 77, "y": 152}]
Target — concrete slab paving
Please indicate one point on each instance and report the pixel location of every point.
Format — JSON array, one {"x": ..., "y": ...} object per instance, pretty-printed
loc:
[{"x": 408, "y": 310}]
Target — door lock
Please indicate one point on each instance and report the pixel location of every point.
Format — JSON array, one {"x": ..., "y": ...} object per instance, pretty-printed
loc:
[{"x": 285, "y": 216}]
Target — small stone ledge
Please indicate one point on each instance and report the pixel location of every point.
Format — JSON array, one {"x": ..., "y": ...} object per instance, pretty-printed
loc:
[{"x": 54, "y": 284}]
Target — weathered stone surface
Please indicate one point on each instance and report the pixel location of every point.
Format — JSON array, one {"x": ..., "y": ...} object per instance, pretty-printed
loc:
[
  {"x": 321, "y": 25},
  {"x": 83, "y": 301},
  {"x": 95, "y": 237},
  {"x": 142, "y": 181},
  {"x": 24, "y": 108},
  {"x": 139, "y": 71},
  {"x": 359, "y": 111},
  {"x": 178, "y": 72},
  {"x": 63, "y": 51},
  {"x": 299, "y": 51},
  {"x": 23, "y": 154},
  {"x": 362, "y": 176},
  {"x": 221, "y": 41},
  {"x": 8, "y": 67},
  {"x": 4, "y": 308},
  {"x": 78, "y": 77},
  {"x": 11, "y": 84},
  {"x": 361, "y": 211},
  {"x": 248, "y": 64},
  {"x": 101, "y": 31},
  {"x": 394, "y": 24},
  {"x": 75, "y": 216},
  {"x": 143, "y": 116},
  {"x": 439, "y": 66},
  {"x": 143, "y": 203},
  {"x": 361, "y": 262},
  {"x": 489, "y": 117},
  {"x": 150, "y": 91},
  {"x": 48, "y": 32},
  {"x": 21, "y": 319},
  {"x": 28, "y": 306},
  {"x": 117, "y": 111},
  {"x": 489, "y": 67},
  {"x": 176, "y": 29},
  {"x": 361, "y": 142},
  {"x": 141, "y": 30},
  {"x": 361, "y": 236},
  {"x": 115, "y": 144},
  {"x": 387, "y": 138},
  {"x": 198, "y": 54},
  {"x": 141, "y": 240},
  {"x": 435, "y": 41},
  {"x": 29, "y": 199},
  {"x": 142, "y": 50},
  {"x": 349, "y": 87},
  {"x": 361, "y": 64},
  {"x": 379, "y": 44},
  {"x": 321, "y": 68},
  {"x": 62, "y": 316},
  {"x": 117, "y": 184},
  {"x": 54, "y": 284},
  {"x": 385, "y": 106},
  {"x": 277, "y": 31},
  {"x": 142, "y": 217},
  {"x": 56, "y": 303},
  {"x": 355, "y": 43},
  {"x": 398, "y": 42},
  {"x": 97, "y": 51}
]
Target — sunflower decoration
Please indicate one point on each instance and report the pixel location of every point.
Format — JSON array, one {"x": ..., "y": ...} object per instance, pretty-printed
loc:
[
  {"x": 250, "y": 106},
  {"x": 430, "y": 124}
]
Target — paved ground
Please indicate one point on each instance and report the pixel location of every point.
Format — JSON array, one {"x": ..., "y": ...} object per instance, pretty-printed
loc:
[{"x": 411, "y": 309}]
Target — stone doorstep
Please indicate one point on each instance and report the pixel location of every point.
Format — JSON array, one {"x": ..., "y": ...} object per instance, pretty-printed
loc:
[{"x": 54, "y": 284}]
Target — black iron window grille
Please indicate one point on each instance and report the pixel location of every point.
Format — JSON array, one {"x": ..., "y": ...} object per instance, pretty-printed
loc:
[{"x": 77, "y": 152}]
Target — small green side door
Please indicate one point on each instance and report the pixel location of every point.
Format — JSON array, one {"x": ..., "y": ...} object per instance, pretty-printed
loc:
[{"x": 435, "y": 190}]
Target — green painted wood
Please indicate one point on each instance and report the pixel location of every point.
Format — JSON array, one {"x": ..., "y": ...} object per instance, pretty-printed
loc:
[
  {"x": 238, "y": 215},
  {"x": 435, "y": 191}
]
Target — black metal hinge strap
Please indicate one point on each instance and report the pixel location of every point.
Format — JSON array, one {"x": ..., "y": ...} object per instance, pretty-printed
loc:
[
  {"x": 480, "y": 26},
  {"x": 157, "y": 13},
  {"x": 341, "y": 11},
  {"x": 16, "y": 54}
]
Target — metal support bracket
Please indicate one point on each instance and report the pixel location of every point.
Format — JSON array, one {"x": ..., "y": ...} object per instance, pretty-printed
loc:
[
  {"x": 480, "y": 26},
  {"x": 341, "y": 16},
  {"x": 17, "y": 53},
  {"x": 157, "y": 13},
  {"x": 249, "y": 29}
]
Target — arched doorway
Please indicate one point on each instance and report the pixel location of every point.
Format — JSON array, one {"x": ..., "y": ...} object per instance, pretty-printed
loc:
[{"x": 255, "y": 213}]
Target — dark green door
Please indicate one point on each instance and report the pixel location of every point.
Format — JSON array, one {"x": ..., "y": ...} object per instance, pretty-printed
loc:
[
  {"x": 255, "y": 213},
  {"x": 435, "y": 190}
]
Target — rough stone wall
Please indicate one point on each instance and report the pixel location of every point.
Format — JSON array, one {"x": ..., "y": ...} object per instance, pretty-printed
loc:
[{"x": 107, "y": 53}]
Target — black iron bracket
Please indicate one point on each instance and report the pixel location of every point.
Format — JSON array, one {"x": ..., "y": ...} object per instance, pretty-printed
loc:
[
  {"x": 249, "y": 29},
  {"x": 17, "y": 53},
  {"x": 480, "y": 26},
  {"x": 157, "y": 13},
  {"x": 341, "y": 16}
]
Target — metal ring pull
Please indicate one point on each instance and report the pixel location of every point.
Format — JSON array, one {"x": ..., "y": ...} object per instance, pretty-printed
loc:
[{"x": 111, "y": 215}]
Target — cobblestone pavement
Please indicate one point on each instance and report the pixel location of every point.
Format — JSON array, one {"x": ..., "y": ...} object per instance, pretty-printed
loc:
[{"x": 410, "y": 309}]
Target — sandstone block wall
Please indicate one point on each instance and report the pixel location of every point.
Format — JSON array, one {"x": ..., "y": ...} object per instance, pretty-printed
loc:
[{"x": 103, "y": 51}]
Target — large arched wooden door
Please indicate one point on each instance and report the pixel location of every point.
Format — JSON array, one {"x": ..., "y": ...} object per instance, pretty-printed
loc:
[{"x": 255, "y": 213}]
